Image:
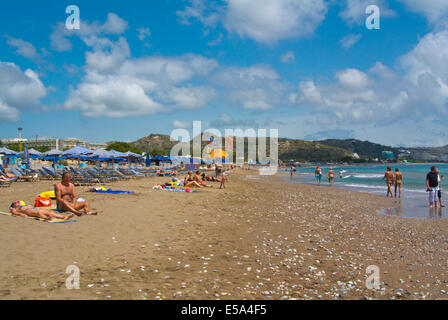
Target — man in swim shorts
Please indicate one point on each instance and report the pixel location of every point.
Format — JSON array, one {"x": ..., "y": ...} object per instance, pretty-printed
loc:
[
  {"x": 398, "y": 182},
  {"x": 67, "y": 199},
  {"x": 389, "y": 176},
  {"x": 318, "y": 175},
  {"x": 432, "y": 184},
  {"x": 18, "y": 209}
]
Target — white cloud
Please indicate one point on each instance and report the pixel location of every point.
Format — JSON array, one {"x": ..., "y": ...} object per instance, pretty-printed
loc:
[
  {"x": 266, "y": 21},
  {"x": 433, "y": 10},
  {"x": 88, "y": 32},
  {"x": 354, "y": 11},
  {"x": 181, "y": 124},
  {"x": 113, "y": 98},
  {"x": 216, "y": 41},
  {"x": 24, "y": 48},
  {"x": 255, "y": 88},
  {"x": 143, "y": 33},
  {"x": 287, "y": 57},
  {"x": 190, "y": 97},
  {"x": 353, "y": 79},
  {"x": 349, "y": 41},
  {"x": 271, "y": 20},
  {"x": 18, "y": 91},
  {"x": 108, "y": 56},
  {"x": 206, "y": 12}
]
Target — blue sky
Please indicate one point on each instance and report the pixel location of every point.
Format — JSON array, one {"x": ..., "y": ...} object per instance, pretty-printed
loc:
[{"x": 309, "y": 68}]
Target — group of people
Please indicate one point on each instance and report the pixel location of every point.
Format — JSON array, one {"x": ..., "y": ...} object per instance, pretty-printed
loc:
[
  {"x": 391, "y": 179},
  {"x": 66, "y": 200},
  {"x": 198, "y": 180},
  {"x": 433, "y": 181},
  {"x": 319, "y": 173}
]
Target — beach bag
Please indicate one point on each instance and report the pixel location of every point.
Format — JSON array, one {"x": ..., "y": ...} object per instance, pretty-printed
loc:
[{"x": 42, "y": 202}]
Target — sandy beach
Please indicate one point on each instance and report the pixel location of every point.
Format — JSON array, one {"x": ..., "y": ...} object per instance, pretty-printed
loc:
[{"x": 260, "y": 238}]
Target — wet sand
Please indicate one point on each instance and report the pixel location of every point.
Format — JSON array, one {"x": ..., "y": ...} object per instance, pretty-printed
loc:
[{"x": 260, "y": 238}]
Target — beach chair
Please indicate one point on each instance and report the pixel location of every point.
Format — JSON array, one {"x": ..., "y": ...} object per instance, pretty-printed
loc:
[{"x": 53, "y": 174}]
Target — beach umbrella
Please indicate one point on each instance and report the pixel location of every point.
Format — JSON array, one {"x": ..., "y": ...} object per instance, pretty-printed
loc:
[
  {"x": 53, "y": 152},
  {"x": 6, "y": 151},
  {"x": 77, "y": 151},
  {"x": 218, "y": 153}
]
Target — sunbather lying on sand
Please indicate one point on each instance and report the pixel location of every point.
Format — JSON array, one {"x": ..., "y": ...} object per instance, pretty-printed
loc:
[
  {"x": 197, "y": 178},
  {"x": 18, "y": 209},
  {"x": 209, "y": 178},
  {"x": 66, "y": 198},
  {"x": 189, "y": 181}
]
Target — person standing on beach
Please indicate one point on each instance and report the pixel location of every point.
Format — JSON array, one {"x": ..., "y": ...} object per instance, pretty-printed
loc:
[
  {"x": 439, "y": 193},
  {"x": 318, "y": 175},
  {"x": 398, "y": 182},
  {"x": 331, "y": 176},
  {"x": 432, "y": 184},
  {"x": 389, "y": 176}
]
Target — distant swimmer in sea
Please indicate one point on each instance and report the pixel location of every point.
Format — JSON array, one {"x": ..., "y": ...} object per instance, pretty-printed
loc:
[
  {"x": 398, "y": 182},
  {"x": 340, "y": 174},
  {"x": 318, "y": 175},
  {"x": 331, "y": 176},
  {"x": 389, "y": 176}
]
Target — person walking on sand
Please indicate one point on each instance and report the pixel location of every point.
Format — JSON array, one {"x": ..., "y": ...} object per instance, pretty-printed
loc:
[
  {"x": 398, "y": 182},
  {"x": 66, "y": 198},
  {"x": 389, "y": 176},
  {"x": 432, "y": 184},
  {"x": 331, "y": 176},
  {"x": 318, "y": 175}
]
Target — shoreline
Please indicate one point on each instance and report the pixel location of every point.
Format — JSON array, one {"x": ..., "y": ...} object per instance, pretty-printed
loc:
[{"x": 257, "y": 239}]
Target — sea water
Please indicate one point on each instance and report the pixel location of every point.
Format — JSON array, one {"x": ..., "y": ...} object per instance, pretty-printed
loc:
[{"x": 368, "y": 178}]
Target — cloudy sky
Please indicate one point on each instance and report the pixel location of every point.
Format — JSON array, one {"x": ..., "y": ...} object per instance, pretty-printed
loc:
[{"x": 309, "y": 68}]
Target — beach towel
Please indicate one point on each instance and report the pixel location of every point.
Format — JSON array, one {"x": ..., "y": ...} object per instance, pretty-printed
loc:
[
  {"x": 112, "y": 191},
  {"x": 54, "y": 220},
  {"x": 48, "y": 194},
  {"x": 159, "y": 187}
]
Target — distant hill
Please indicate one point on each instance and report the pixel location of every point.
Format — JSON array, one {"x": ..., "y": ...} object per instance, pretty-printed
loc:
[
  {"x": 333, "y": 150},
  {"x": 288, "y": 148},
  {"x": 364, "y": 149},
  {"x": 155, "y": 143}
]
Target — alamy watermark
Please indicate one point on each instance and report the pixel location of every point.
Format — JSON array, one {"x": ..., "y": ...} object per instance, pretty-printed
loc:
[
  {"x": 373, "y": 20},
  {"x": 373, "y": 280},
  {"x": 72, "y": 281},
  {"x": 73, "y": 21},
  {"x": 256, "y": 146}
]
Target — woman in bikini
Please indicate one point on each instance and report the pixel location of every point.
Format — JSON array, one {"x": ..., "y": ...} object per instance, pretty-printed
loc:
[
  {"x": 189, "y": 181},
  {"x": 18, "y": 209},
  {"x": 389, "y": 176},
  {"x": 398, "y": 182}
]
